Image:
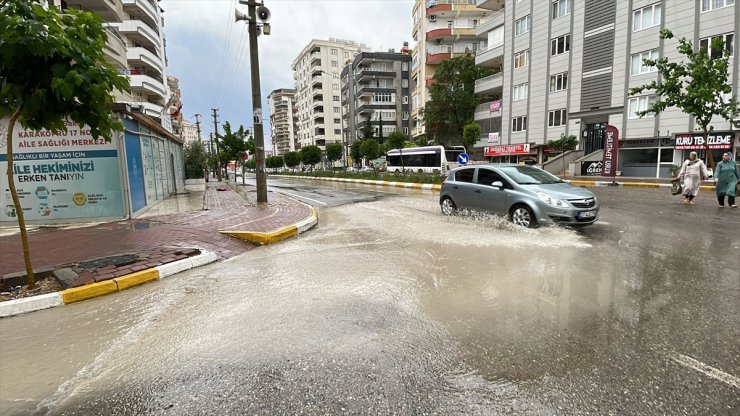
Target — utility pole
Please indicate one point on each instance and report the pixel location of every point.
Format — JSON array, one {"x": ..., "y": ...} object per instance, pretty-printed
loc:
[
  {"x": 215, "y": 137},
  {"x": 197, "y": 125},
  {"x": 257, "y": 11}
]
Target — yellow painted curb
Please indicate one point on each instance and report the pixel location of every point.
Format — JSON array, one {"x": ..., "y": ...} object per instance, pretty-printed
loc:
[
  {"x": 262, "y": 237},
  {"x": 583, "y": 183},
  {"x": 436, "y": 187},
  {"x": 88, "y": 291},
  {"x": 138, "y": 278}
]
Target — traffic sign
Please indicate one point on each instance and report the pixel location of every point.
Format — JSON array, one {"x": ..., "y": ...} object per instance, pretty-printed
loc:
[{"x": 463, "y": 158}]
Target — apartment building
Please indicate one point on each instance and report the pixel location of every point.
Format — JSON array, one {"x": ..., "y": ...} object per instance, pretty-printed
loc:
[
  {"x": 442, "y": 29},
  {"x": 567, "y": 69},
  {"x": 189, "y": 132},
  {"x": 283, "y": 120},
  {"x": 316, "y": 72},
  {"x": 375, "y": 90}
]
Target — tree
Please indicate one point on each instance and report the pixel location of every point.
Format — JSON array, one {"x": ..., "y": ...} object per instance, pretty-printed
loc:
[
  {"x": 396, "y": 141},
  {"x": 233, "y": 145},
  {"x": 292, "y": 159},
  {"x": 471, "y": 135},
  {"x": 52, "y": 68},
  {"x": 563, "y": 144},
  {"x": 274, "y": 162},
  {"x": 698, "y": 87},
  {"x": 367, "y": 130},
  {"x": 355, "y": 152},
  {"x": 310, "y": 155},
  {"x": 422, "y": 140},
  {"x": 453, "y": 98},
  {"x": 370, "y": 149},
  {"x": 196, "y": 159},
  {"x": 333, "y": 152}
]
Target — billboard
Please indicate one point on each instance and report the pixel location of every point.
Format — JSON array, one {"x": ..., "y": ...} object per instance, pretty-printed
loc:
[
  {"x": 61, "y": 175},
  {"x": 506, "y": 150}
]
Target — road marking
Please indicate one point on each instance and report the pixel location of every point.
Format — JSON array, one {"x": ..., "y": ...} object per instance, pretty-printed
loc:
[
  {"x": 303, "y": 197},
  {"x": 699, "y": 366}
]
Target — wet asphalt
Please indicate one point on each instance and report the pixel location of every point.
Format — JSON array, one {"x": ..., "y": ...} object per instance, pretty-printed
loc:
[{"x": 387, "y": 307}]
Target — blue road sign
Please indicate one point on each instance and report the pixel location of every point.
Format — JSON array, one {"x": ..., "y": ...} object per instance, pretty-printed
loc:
[{"x": 463, "y": 158}]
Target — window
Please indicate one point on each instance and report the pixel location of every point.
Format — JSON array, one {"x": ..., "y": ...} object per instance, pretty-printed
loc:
[
  {"x": 560, "y": 8},
  {"x": 404, "y": 83},
  {"x": 346, "y": 54},
  {"x": 637, "y": 64},
  {"x": 521, "y": 26},
  {"x": 521, "y": 59},
  {"x": 520, "y": 92},
  {"x": 465, "y": 175},
  {"x": 336, "y": 109},
  {"x": 335, "y": 97},
  {"x": 641, "y": 103},
  {"x": 383, "y": 97},
  {"x": 404, "y": 66},
  {"x": 726, "y": 39},
  {"x": 337, "y": 121},
  {"x": 559, "y": 82},
  {"x": 405, "y": 99},
  {"x": 707, "y": 5},
  {"x": 405, "y": 115},
  {"x": 337, "y": 131},
  {"x": 519, "y": 123},
  {"x": 335, "y": 87},
  {"x": 560, "y": 45},
  {"x": 406, "y": 130},
  {"x": 472, "y": 22},
  {"x": 556, "y": 118},
  {"x": 488, "y": 177},
  {"x": 333, "y": 51},
  {"x": 646, "y": 17},
  {"x": 334, "y": 64}
]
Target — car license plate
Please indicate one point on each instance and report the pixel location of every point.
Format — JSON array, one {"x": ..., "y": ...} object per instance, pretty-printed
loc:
[{"x": 587, "y": 214}]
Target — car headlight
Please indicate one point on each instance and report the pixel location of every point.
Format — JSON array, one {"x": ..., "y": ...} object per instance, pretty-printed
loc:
[{"x": 551, "y": 200}]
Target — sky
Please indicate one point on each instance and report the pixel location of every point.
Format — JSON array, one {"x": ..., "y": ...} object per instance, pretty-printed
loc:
[{"x": 209, "y": 52}]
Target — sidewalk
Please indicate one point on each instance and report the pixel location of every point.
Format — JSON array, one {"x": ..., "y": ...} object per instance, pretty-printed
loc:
[{"x": 165, "y": 233}]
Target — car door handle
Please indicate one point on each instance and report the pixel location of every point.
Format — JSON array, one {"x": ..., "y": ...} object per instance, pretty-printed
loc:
[{"x": 477, "y": 191}]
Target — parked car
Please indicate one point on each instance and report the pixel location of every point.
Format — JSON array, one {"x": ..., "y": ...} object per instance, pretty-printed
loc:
[{"x": 529, "y": 196}]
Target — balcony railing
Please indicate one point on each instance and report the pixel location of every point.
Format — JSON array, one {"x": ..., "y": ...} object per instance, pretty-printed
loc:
[
  {"x": 488, "y": 78},
  {"x": 143, "y": 5}
]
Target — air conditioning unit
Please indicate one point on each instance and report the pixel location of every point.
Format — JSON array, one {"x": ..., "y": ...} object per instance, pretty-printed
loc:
[{"x": 432, "y": 18}]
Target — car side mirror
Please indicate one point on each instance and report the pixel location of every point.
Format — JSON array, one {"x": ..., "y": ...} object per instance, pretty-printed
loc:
[{"x": 498, "y": 184}]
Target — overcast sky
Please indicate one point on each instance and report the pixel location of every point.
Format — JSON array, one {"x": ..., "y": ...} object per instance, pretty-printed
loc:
[{"x": 209, "y": 52}]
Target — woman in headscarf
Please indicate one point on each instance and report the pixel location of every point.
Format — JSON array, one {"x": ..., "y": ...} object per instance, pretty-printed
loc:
[
  {"x": 692, "y": 172},
  {"x": 726, "y": 175}
]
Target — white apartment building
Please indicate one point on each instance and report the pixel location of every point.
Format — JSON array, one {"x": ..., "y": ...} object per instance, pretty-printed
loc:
[
  {"x": 283, "y": 120},
  {"x": 567, "y": 69},
  {"x": 136, "y": 46},
  {"x": 442, "y": 29},
  {"x": 189, "y": 132},
  {"x": 316, "y": 72}
]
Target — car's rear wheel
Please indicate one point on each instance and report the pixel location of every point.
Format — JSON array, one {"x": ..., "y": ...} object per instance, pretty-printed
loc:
[
  {"x": 448, "y": 206},
  {"x": 522, "y": 215}
]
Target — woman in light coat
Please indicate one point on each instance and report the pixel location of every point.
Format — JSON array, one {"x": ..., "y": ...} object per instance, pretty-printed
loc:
[
  {"x": 692, "y": 172},
  {"x": 726, "y": 175}
]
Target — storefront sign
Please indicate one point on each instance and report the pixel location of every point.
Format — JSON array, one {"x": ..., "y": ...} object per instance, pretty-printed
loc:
[
  {"x": 493, "y": 138},
  {"x": 591, "y": 168},
  {"x": 695, "y": 141},
  {"x": 507, "y": 150},
  {"x": 495, "y": 106},
  {"x": 62, "y": 175},
  {"x": 611, "y": 151},
  {"x": 645, "y": 143}
]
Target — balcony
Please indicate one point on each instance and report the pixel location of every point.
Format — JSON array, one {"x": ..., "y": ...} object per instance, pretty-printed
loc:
[
  {"x": 143, "y": 10},
  {"x": 316, "y": 56},
  {"x": 115, "y": 48},
  {"x": 139, "y": 32},
  {"x": 110, "y": 10},
  {"x": 147, "y": 85},
  {"x": 494, "y": 5},
  {"x": 142, "y": 56},
  {"x": 483, "y": 110},
  {"x": 490, "y": 57},
  {"x": 489, "y": 23},
  {"x": 441, "y": 6},
  {"x": 442, "y": 34},
  {"x": 436, "y": 58},
  {"x": 489, "y": 84},
  {"x": 150, "y": 109},
  {"x": 317, "y": 81}
]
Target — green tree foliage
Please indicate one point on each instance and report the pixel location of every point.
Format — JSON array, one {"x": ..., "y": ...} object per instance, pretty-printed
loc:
[
  {"x": 292, "y": 159},
  {"x": 355, "y": 152},
  {"x": 396, "y": 140},
  {"x": 698, "y": 86},
  {"x": 196, "y": 159},
  {"x": 52, "y": 68},
  {"x": 471, "y": 134},
  {"x": 310, "y": 155},
  {"x": 422, "y": 140},
  {"x": 370, "y": 149},
  {"x": 251, "y": 164},
  {"x": 453, "y": 99},
  {"x": 563, "y": 144},
  {"x": 333, "y": 152},
  {"x": 274, "y": 162},
  {"x": 233, "y": 144},
  {"x": 367, "y": 131}
]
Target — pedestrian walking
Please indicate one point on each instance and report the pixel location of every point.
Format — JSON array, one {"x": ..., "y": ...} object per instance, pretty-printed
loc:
[
  {"x": 726, "y": 175},
  {"x": 693, "y": 171}
]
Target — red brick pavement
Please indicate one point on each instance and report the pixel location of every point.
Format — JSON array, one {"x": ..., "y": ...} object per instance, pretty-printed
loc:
[{"x": 161, "y": 234}]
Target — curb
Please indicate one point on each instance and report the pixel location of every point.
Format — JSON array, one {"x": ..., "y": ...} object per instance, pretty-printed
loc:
[
  {"x": 424, "y": 186},
  {"x": 598, "y": 184},
  {"x": 271, "y": 237},
  {"x": 94, "y": 290}
]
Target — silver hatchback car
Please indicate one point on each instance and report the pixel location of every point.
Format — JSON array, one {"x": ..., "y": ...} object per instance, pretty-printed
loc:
[{"x": 528, "y": 195}]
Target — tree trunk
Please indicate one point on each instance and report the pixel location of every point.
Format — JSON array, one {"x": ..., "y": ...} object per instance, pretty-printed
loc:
[
  {"x": 710, "y": 156},
  {"x": 17, "y": 202}
]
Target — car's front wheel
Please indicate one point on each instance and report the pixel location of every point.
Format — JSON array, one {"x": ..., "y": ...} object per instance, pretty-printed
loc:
[
  {"x": 448, "y": 206},
  {"x": 523, "y": 216}
]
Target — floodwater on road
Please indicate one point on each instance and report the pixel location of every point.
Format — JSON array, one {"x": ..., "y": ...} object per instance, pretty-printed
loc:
[{"x": 387, "y": 307}]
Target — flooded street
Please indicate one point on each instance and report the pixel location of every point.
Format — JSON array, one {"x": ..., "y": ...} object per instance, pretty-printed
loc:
[{"x": 387, "y": 307}]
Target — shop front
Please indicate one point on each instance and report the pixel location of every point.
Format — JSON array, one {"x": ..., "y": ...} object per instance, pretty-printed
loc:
[
  {"x": 646, "y": 158},
  {"x": 514, "y": 153},
  {"x": 718, "y": 142}
]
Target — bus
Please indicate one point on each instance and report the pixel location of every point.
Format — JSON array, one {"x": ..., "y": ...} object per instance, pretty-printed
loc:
[{"x": 429, "y": 159}]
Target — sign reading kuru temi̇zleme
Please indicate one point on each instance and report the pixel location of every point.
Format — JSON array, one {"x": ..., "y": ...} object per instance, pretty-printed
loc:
[{"x": 61, "y": 175}]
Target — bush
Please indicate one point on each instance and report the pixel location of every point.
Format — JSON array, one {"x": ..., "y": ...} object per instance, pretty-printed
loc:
[{"x": 196, "y": 158}]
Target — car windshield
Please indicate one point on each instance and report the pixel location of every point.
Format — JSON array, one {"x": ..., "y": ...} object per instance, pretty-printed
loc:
[{"x": 527, "y": 175}]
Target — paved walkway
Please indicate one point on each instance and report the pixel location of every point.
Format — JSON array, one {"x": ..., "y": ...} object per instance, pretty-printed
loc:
[{"x": 159, "y": 235}]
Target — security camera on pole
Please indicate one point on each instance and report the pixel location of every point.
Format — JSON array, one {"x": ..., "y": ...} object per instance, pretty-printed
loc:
[{"x": 257, "y": 17}]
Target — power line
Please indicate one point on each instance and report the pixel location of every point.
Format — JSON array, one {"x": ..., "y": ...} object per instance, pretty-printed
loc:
[{"x": 227, "y": 39}]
